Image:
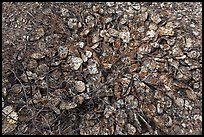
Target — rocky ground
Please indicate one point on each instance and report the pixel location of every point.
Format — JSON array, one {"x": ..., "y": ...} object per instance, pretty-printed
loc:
[{"x": 111, "y": 68}]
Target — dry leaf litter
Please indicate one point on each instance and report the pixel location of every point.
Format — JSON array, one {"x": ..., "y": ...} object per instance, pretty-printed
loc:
[{"x": 101, "y": 68}]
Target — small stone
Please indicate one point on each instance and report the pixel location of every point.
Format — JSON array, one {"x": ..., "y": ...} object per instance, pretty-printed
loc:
[
  {"x": 80, "y": 86},
  {"x": 76, "y": 62}
]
